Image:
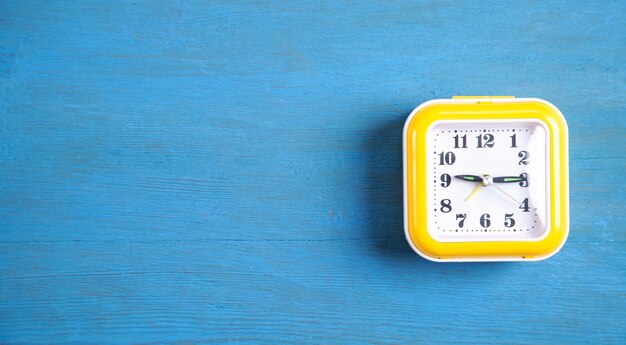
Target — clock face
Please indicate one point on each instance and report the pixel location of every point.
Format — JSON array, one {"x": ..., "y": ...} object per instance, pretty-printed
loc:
[{"x": 487, "y": 180}]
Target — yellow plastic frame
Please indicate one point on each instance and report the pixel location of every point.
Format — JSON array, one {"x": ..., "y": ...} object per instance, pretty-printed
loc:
[{"x": 484, "y": 108}]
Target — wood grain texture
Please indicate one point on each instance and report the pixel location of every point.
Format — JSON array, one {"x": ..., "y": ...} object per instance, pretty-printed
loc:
[{"x": 230, "y": 172}]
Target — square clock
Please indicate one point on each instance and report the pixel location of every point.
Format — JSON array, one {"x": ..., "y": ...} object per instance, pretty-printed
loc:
[{"x": 486, "y": 179}]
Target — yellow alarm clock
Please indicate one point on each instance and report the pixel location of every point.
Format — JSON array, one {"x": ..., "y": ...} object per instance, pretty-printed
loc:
[{"x": 486, "y": 179}]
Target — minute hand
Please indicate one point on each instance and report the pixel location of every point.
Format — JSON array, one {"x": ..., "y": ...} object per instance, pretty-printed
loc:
[{"x": 508, "y": 179}]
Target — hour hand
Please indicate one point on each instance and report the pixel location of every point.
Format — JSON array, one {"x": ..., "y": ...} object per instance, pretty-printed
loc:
[
  {"x": 509, "y": 179},
  {"x": 470, "y": 178}
]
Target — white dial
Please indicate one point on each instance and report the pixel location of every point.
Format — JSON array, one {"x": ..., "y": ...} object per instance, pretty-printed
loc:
[{"x": 487, "y": 180}]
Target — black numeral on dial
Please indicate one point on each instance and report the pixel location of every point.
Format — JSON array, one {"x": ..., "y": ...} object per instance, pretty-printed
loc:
[
  {"x": 462, "y": 217},
  {"x": 513, "y": 140},
  {"x": 488, "y": 140},
  {"x": 460, "y": 140},
  {"x": 508, "y": 220},
  {"x": 484, "y": 220},
  {"x": 524, "y": 182},
  {"x": 445, "y": 180},
  {"x": 524, "y": 206},
  {"x": 446, "y": 206},
  {"x": 524, "y": 157},
  {"x": 447, "y": 158}
]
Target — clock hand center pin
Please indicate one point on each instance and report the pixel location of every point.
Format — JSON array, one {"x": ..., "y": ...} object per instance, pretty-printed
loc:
[{"x": 488, "y": 181}]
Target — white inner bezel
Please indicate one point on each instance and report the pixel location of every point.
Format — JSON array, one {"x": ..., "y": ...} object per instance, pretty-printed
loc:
[{"x": 488, "y": 236}]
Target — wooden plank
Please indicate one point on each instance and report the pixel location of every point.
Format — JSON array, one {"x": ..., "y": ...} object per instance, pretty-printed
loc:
[{"x": 231, "y": 172}]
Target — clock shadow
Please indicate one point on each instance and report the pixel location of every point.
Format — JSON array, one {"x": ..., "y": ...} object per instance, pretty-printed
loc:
[
  {"x": 383, "y": 189},
  {"x": 384, "y": 201}
]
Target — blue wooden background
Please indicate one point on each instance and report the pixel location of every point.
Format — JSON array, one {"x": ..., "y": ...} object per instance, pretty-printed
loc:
[{"x": 215, "y": 172}]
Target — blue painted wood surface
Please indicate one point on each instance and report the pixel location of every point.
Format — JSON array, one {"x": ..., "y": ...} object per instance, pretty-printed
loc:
[{"x": 189, "y": 172}]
